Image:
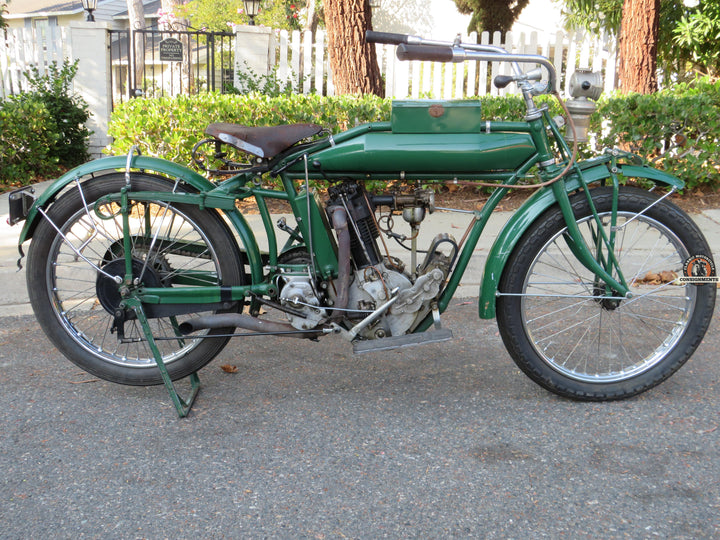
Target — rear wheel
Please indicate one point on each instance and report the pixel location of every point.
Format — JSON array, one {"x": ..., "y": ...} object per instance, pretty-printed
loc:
[
  {"x": 173, "y": 245},
  {"x": 574, "y": 336}
]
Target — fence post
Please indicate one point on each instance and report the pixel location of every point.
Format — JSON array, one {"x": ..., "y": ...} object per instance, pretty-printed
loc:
[
  {"x": 252, "y": 51},
  {"x": 89, "y": 43}
]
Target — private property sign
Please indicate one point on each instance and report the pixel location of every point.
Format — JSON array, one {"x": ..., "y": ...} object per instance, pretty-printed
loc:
[{"x": 171, "y": 50}]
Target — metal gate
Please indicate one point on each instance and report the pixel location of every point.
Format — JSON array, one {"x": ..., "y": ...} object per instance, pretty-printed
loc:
[{"x": 157, "y": 63}]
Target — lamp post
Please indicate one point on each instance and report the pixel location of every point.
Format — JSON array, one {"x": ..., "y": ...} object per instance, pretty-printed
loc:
[
  {"x": 89, "y": 6},
  {"x": 251, "y": 8}
]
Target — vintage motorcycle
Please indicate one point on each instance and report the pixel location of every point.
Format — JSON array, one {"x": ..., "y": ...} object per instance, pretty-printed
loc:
[{"x": 141, "y": 270}]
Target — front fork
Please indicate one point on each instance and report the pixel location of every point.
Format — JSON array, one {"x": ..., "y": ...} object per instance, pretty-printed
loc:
[{"x": 603, "y": 263}]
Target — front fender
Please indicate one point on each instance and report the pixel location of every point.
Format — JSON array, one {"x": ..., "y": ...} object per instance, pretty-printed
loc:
[
  {"x": 146, "y": 163},
  {"x": 538, "y": 203}
]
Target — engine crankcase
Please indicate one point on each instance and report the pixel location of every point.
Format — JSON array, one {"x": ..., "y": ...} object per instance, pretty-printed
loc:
[
  {"x": 372, "y": 288},
  {"x": 299, "y": 294}
]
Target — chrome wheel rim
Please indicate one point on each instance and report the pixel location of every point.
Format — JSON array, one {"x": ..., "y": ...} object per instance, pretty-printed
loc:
[{"x": 579, "y": 332}]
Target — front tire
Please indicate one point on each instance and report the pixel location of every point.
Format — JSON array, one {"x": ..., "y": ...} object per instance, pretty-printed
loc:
[
  {"x": 173, "y": 245},
  {"x": 571, "y": 334}
]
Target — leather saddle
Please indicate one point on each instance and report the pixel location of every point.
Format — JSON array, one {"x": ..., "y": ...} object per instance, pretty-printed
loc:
[{"x": 264, "y": 142}]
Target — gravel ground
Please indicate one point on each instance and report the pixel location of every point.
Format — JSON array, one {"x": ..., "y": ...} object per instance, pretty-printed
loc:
[{"x": 306, "y": 440}]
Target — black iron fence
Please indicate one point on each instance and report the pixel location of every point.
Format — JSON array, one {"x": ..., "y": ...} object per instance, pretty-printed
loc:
[{"x": 164, "y": 62}]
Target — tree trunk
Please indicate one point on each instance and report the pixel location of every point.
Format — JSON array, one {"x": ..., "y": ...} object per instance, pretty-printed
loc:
[
  {"x": 182, "y": 72},
  {"x": 136, "y": 15},
  {"x": 353, "y": 61},
  {"x": 637, "y": 62},
  {"x": 312, "y": 17}
]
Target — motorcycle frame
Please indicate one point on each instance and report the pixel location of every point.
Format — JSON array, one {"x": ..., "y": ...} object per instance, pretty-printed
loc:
[
  {"x": 223, "y": 196},
  {"x": 312, "y": 230}
]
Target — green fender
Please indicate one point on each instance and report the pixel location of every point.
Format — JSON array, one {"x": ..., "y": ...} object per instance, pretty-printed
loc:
[
  {"x": 119, "y": 163},
  {"x": 538, "y": 203}
]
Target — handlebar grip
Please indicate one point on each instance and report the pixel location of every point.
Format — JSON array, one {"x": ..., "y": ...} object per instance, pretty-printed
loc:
[
  {"x": 431, "y": 53},
  {"x": 385, "y": 37},
  {"x": 501, "y": 81}
]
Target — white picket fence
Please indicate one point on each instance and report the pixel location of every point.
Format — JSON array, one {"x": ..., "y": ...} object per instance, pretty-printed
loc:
[
  {"x": 301, "y": 59},
  {"x": 303, "y": 63},
  {"x": 21, "y": 48}
]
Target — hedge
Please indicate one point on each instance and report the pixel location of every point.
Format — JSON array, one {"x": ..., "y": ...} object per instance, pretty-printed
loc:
[
  {"x": 677, "y": 130},
  {"x": 43, "y": 130},
  {"x": 28, "y": 136}
]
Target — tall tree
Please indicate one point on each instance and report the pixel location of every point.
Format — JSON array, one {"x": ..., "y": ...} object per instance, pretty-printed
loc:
[
  {"x": 638, "y": 45},
  {"x": 3, "y": 10},
  {"x": 491, "y": 15},
  {"x": 645, "y": 36},
  {"x": 353, "y": 61},
  {"x": 182, "y": 71},
  {"x": 136, "y": 15},
  {"x": 312, "y": 17}
]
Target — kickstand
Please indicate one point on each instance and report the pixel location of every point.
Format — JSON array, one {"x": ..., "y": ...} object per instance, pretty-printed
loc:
[{"x": 182, "y": 406}]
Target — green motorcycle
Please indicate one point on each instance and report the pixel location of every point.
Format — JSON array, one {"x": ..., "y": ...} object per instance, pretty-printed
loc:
[{"x": 141, "y": 270}]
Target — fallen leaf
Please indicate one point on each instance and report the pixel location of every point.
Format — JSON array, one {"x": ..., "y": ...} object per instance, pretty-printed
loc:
[{"x": 227, "y": 368}]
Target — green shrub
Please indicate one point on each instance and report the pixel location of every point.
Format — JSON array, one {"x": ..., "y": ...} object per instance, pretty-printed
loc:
[
  {"x": 169, "y": 127},
  {"x": 28, "y": 135},
  {"x": 68, "y": 111},
  {"x": 42, "y": 130},
  {"x": 677, "y": 130}
]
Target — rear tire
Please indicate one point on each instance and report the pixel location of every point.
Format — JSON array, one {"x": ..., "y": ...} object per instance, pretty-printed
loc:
[
  {"x": 569, "y": 335},
  {"x": 74, "y": 303}
]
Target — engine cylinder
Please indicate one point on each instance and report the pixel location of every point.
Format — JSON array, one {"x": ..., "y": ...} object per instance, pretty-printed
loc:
[{"x": 363, "y": 230}]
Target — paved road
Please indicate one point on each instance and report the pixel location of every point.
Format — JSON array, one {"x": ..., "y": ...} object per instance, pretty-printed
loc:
[{"x": 447, "y": 440}]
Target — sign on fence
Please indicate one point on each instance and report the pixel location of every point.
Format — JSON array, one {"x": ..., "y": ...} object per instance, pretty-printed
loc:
[{"x": 170, "y": 50}]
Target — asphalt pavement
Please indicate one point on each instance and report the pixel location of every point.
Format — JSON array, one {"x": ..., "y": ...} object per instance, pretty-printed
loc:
[{"x": 441, "y": 441}]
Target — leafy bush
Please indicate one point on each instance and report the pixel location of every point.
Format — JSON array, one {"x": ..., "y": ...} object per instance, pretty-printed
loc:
[
  {"x": 169, "y": 127},
  {"x": 68, "y": 111},
  {"x": 28, "y": 135},
  {"x": 677, "y": 130},
  {"x": 271, "y": 84}
]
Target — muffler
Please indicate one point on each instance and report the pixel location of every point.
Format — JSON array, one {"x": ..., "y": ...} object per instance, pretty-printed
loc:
[{"x": 239, "y": 320}]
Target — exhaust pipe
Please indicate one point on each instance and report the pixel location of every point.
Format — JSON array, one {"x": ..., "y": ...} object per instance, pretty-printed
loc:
[
  {"x": 238, "y": 320},
  {"x": 340, "y": 224}
]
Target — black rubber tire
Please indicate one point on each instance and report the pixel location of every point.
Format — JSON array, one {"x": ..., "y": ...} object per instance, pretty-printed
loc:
[
  {"x": 596, "y": 349},
  {"x": 73, "y": 302}
]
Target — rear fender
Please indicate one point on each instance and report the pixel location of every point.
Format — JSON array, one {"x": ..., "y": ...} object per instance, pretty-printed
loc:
[
  {"x": 540, "y": 202},
  {"x": 150, "y": 164}
]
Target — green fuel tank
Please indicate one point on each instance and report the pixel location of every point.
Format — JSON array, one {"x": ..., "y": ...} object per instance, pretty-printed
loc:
[{"x": 439, "y": 138}]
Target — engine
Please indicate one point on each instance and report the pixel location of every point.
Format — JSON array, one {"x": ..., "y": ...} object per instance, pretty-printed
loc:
[{"x": 378, "y": 279}]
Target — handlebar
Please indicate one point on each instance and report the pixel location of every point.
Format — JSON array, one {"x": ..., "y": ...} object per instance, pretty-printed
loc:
[
  {"x": 389, "y": 38},
  {"x": 430, "y": 53},
  {"x": 417, "y": 48}
]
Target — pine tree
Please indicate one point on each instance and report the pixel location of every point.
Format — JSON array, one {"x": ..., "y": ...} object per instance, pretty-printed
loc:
[{"x": 491, "y": 15}]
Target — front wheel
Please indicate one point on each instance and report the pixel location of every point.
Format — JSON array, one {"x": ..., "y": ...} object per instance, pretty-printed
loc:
[
  {"x": 577, "y": 338},
  {"x": 76, "y": 251}
]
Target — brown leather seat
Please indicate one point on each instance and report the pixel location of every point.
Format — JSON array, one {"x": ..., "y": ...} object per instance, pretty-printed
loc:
[{"x": 264, "y": 142}]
